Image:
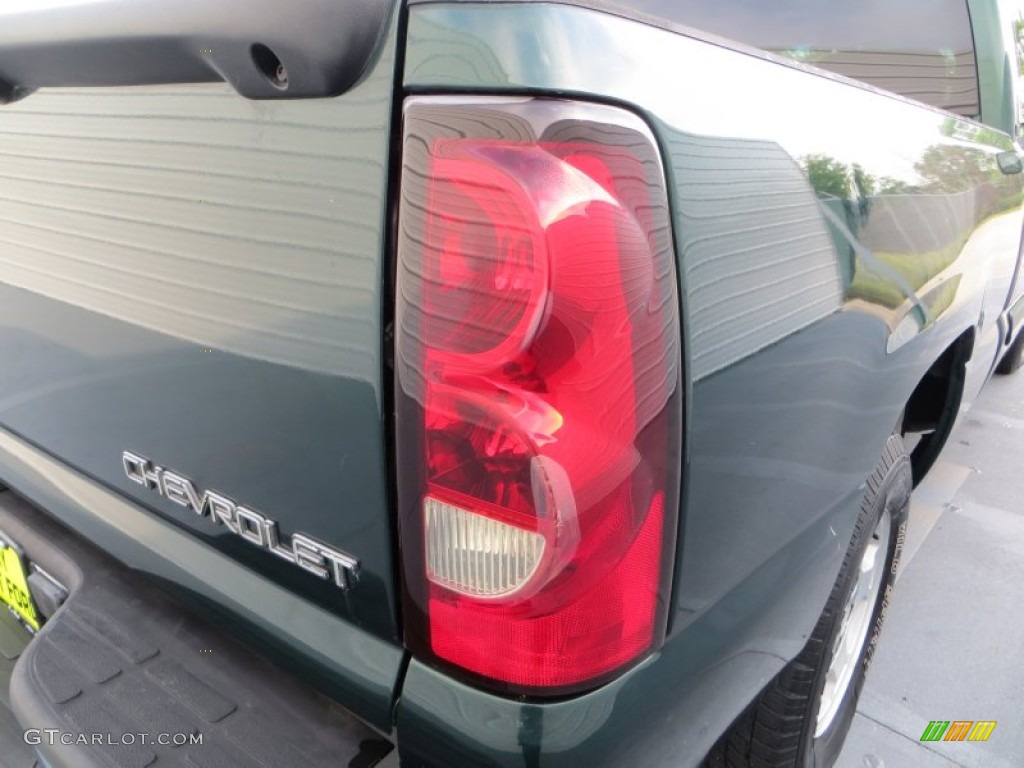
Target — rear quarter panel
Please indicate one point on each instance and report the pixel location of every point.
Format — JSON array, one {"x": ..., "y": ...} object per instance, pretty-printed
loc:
[{"x": 810, "y": 312}]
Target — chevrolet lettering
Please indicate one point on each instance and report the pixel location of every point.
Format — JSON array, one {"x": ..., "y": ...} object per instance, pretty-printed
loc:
[{"x": 304, "y": 551}]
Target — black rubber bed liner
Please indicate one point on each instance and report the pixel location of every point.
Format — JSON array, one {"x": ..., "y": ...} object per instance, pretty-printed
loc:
[{"x": 124, "y": 661}]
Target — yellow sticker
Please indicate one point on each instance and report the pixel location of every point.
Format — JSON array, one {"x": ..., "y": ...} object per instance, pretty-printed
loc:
[{"x": 14, "y": 585}]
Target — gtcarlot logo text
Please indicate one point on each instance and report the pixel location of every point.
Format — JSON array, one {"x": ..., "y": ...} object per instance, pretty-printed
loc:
[{"x": 53, "y": 736}]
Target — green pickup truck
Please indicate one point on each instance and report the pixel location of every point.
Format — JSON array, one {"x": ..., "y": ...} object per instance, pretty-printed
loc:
[{"x": 481, "y": 383}]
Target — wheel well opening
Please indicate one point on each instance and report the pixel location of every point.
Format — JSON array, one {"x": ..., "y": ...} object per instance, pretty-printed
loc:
[{"x": 933, "y": 405}]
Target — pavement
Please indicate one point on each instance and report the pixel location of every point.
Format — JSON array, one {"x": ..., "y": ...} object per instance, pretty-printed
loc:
[{"x": 953, "y": 644}]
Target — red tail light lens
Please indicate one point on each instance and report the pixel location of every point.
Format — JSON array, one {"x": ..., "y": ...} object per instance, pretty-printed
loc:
[{"x": 537, "y": 390}]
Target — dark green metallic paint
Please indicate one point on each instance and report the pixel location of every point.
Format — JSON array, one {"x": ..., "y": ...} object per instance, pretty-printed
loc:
[{"x": 197, "y": 278}]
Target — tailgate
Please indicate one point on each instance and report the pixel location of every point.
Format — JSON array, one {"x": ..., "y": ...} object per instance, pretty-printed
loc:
[{"x": 191, "y": 273}]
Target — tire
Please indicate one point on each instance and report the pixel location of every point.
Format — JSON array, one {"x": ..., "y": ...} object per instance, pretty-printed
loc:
[
  {"x": 1013, "y": 358},
  {"x": 781, "y": 728}
]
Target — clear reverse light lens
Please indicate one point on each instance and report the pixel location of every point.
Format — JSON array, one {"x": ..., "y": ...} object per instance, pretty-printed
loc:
[{"x": 477, "y": 555}]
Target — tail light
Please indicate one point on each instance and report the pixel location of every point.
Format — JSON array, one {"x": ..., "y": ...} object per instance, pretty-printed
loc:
[{"x": 537, "y": 390}]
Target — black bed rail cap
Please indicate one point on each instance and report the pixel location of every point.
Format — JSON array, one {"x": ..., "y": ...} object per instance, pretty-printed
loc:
[{"x": 266, "y": 49}]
